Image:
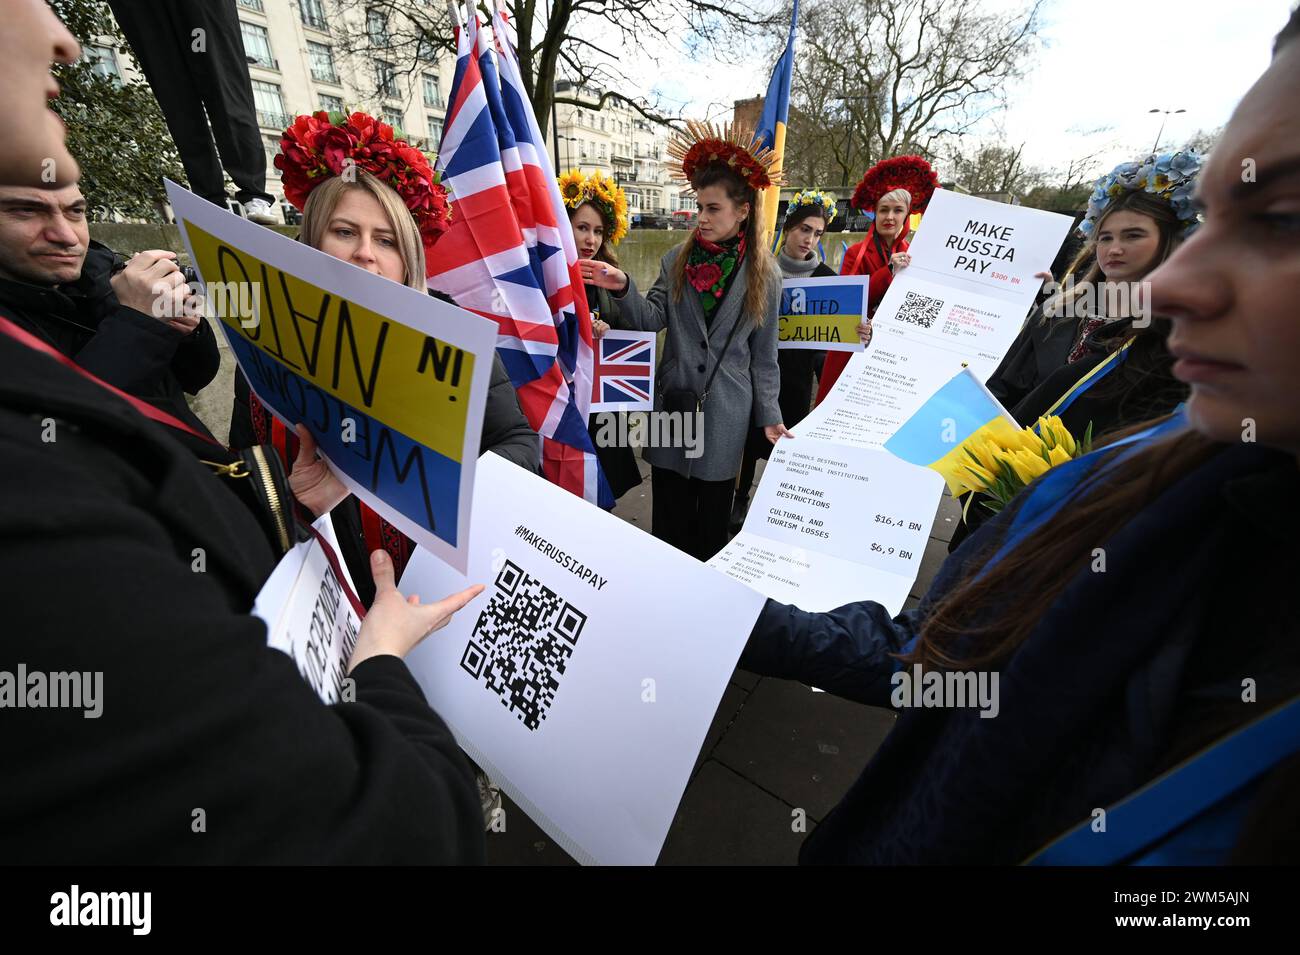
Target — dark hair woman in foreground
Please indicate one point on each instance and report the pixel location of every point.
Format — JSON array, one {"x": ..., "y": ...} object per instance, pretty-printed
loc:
[{"x": 1135, "y": 604}]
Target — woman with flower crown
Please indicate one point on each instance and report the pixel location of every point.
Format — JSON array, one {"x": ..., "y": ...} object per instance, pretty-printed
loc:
[
  {"x": 718, "y": 372},
  {"x": 1129, "y": 610},
  {"x": 807, "y": 217},
  {"x": 1137, "y": 215},
  {"x": 597, "y": 208},
  {"x": 383, "y": 215},
  {"x": 1089, "y": 355},
  {"x": 891, "y": 190}
]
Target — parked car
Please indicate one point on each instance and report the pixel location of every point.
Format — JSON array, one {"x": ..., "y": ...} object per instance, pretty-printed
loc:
[
  {"x": 683, "y": 219},
  {"x": 650, "y": 220},
  {"x": 858, "y": 222}
]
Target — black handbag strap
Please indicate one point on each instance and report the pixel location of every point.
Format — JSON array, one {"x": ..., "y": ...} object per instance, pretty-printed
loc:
[{"x": 721, "y": 355}]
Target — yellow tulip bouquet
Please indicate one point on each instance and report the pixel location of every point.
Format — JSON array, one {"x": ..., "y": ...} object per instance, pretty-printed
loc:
[{"x": 1002, "y": 463}]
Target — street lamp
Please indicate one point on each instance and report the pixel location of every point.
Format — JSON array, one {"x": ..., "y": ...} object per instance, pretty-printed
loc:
[
  {"x": 1167, "y": 113},
  {"x": 571, "y": 139}
]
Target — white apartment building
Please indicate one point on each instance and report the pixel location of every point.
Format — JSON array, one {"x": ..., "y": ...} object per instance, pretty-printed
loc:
[
  {"x": 304, "y": 56},
  {"x": 618, "y": 141}
]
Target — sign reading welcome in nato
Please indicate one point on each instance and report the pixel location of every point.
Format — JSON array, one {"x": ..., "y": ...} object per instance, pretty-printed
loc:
[
  {"x": 390, "y": 381},
  {"x": 822, "y": 313}
]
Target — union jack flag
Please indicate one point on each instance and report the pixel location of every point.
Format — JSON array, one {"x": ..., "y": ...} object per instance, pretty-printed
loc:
[
  {"x": 623, "y": 378},
  {"x": 509, "y": 254}
]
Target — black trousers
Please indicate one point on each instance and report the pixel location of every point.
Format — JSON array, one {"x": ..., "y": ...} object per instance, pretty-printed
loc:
[
  {"x": 689, "y": 513},
  {"x": 195, "y": 88}
]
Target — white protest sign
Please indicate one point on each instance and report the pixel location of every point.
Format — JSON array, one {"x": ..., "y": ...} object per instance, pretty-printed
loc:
[
  {"x": 960, "y": 303},
  {"x": 987, "y": 247},
  {"x": 831, "y": 524},
  {"x": 307, "y": 606},
  {"x": 390, "y": 381},
  {"x": 585, "y": 678}
]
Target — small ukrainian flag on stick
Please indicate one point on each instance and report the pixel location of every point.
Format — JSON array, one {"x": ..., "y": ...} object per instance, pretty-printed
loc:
[
  {"x": 968, "y": 437},
  {"x": 961, "y": 413}
]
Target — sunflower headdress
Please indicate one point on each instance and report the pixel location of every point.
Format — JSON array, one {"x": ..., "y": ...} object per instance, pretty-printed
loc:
[
  {"x": 603, "y": 193},
  {"x": 813, "y": 197},
  {"x": 912, "y": 173},
  {"x": 1170, "y": 177},
  {"x": 705, "y": 144},
  {"x": 323, "y": 145}
]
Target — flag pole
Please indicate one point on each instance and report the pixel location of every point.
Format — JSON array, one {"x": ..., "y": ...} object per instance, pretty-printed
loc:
[
  {"x": 776, "y": 105},
  {"x": 772, "y": 194}
]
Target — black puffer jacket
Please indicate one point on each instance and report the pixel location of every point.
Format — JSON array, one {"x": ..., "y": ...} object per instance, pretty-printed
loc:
[{"x": 98, "y": 532}]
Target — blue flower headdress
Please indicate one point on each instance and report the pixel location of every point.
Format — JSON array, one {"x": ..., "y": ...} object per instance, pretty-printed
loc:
[
  {"x": 813, "y": 197},
  {"x": 1169, "y": 176}
]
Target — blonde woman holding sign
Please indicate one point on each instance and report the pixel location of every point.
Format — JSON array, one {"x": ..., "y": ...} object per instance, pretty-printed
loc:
[
  {"x": 892, "y": 190},
  {"x": 360, "y": 217}
]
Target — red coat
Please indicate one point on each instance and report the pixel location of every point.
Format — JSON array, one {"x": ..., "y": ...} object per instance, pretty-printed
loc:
[{"x": 861, "y": 259}]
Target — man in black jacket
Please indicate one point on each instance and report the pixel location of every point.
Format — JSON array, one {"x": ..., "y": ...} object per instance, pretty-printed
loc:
[
  {"x": 124, "y": 556},
  {"x": 63, "y": 288},
  {"x": 207, "y": 744}
]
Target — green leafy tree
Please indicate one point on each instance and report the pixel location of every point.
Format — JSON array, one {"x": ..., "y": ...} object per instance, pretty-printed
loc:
[{"x": 115, "y": 129}]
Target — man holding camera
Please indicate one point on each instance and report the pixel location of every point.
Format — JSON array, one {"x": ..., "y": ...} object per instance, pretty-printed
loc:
[{"x": 138, "y": 327}]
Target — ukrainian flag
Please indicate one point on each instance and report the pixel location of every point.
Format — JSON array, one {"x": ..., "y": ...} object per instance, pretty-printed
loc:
[
  {"x": 934, "y": 436},
  {"x": 771, "y": 125}
]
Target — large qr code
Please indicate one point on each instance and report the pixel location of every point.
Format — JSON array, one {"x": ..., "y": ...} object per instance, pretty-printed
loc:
[
  {"x": 522, "y": 643},
  {"x": 919, "y": 309}
]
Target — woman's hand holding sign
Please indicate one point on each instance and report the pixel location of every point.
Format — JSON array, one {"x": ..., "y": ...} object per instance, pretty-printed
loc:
[
  {"x": 312, "y": 482},
  {"x": 775, "y": 432},
  {"x": 395, "y": 624}
]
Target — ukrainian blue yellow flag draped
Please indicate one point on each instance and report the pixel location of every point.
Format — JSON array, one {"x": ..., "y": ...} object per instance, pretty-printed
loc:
[
  {"x": 934, "y": 435},
  {"x": 771, "y": 125}
]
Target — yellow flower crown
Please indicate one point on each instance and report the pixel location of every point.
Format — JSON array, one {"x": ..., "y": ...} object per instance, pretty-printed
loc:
[{"x": 603, "y": 193}]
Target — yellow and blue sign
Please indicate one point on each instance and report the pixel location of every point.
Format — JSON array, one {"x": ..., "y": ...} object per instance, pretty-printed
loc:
[
  {"x": 822, "y": 313},
  {"x": 388, "y": 403}
]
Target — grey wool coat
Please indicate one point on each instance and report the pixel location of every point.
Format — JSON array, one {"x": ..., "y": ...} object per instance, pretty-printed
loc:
[{"x": 744, "y": 391}]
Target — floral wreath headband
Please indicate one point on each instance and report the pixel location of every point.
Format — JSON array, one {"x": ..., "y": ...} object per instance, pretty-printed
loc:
[
  {"x": 911, "y": 173},
  {"x": 323, "y": 145},
  {"x": 1170, "y": 177},
  {"x": 814, "y": 197},
  {"x": 603, "y": 193},
  {"x": 704, "y": 144}
]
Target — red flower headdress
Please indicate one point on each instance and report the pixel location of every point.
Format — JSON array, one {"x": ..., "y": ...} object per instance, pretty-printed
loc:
[
  {"x": 703, "y": 144},
  {"x": 315, "y": 148},
  {"x": 900, "y": 172}
]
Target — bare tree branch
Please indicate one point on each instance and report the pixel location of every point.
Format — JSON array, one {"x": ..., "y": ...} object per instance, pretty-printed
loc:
[{"x": 556, "y": 39}]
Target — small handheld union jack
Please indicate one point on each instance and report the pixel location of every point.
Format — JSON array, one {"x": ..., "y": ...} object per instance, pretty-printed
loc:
[{"x": 624, "y": 372}]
